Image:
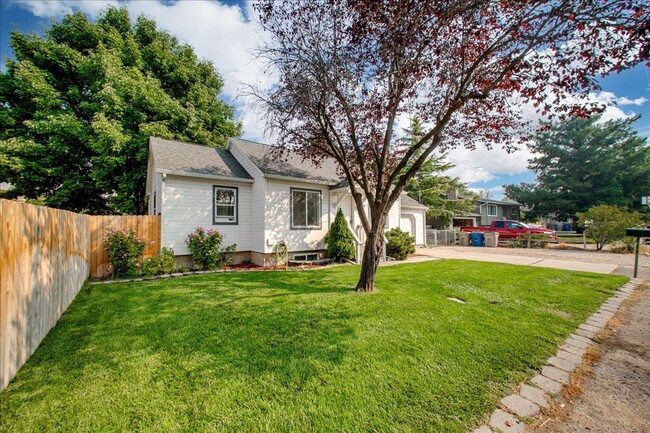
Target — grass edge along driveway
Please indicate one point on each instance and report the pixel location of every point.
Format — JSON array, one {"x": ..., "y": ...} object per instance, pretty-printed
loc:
[{"x": 299, "y": 351}]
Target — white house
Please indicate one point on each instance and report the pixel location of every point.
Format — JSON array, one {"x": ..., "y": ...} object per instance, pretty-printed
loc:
[{"x": 256, "y": 198}]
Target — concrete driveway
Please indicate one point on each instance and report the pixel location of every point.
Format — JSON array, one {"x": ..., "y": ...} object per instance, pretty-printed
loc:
[{"x": 587, "y": 261}]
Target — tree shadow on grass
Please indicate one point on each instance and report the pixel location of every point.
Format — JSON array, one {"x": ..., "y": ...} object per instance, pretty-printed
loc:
[{"x": 206, "y": 330}]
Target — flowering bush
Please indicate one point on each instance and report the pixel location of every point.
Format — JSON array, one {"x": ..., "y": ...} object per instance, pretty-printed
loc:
[
  {"x": 124, "y": 251},
  {"x": 163, "y": 263},
  {"x": 207, "y": 249}
]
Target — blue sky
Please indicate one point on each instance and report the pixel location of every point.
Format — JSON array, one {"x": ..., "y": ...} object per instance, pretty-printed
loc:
[{"x": 223, "y": 33}]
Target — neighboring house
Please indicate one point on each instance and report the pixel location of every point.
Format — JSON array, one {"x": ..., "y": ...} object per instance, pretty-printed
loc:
[
  {"x": 488, "y": 210},
  {"x": 256, "y": 198},
  {"x": 491, "y": 210}
]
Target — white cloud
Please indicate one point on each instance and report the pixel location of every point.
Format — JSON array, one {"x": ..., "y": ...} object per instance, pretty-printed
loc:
[
  {"x": 59, "y": 8},
  {"x": 495, "y": 192},
  {"x": 638, "y": 101},
  {"x": 610, "y": 98},
  {"x": 482, "y": 165}
]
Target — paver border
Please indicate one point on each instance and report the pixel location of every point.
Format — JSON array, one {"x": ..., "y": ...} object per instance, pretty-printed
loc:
[{"x": 554, "y": 375}]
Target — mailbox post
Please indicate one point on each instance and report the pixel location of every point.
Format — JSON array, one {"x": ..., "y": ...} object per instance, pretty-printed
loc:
[{"x": 638, "y": 234}]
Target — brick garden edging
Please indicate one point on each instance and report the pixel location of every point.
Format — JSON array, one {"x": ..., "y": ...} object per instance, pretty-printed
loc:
[
  {"x": 160, "y": 277},
  {"x": 556, "y": 373},
  {"x": 216, "y": 271}
]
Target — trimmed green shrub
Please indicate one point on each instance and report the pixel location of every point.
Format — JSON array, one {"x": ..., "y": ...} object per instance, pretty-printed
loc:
[
  {"x": 400, "y": 244},
  {"x": 207, "y": 250},
  {"x": 163, "y": 263},
  {"x": 340, "y": 240},
  {"x": 124, "y": 250}
]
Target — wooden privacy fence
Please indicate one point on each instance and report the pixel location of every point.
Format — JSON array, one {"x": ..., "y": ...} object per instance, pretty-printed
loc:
[
  {"x": 45, "y": 257},
  {"x": 44, "y": 261},
  {"x": 145, "y": 227}
]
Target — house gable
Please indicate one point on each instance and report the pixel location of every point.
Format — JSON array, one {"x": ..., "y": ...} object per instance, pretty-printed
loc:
[
  {"x": 195, "y": 160},
  {"x": 274, "y": 163}
]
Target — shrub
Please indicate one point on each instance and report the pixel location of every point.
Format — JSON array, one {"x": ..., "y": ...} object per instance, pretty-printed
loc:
[
  {"x": 163, "y": 263},
  {"x": 400, "y": 244},
  {"x": 227, "y": 255},
  {"x": 207, "y": 250},
  {"x": 124, "y": 251},
  {"x": 620, "y": 247},
  {"x": 607, "y": 224},
  {"x": 340, "y": 240}
]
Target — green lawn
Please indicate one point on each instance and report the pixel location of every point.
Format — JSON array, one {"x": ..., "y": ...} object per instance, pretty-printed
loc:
[{"x": 299, "y": 351}]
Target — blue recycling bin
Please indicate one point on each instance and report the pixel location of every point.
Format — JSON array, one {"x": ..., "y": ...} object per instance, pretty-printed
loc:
[
  {"x": 477, "y": 239},
  {"x": 566, "y": 227}
]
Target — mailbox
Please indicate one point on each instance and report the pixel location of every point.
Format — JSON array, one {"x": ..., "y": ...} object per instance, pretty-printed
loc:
[{"x": 638, "y": 233}]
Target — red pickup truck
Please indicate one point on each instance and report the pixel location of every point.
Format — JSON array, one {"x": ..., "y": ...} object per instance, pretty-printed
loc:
[{"x": 509, "y": 229}]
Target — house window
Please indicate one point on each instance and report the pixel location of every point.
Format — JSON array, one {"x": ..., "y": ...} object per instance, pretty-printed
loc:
[
  {"x": 492, "y": 210},
  {"x": 513, "y": 211},
  {"x": 225, "y": 204},
  {"x": 154, "y": 203},
  {"x": 305, "y": 257},
  {"x": 305, "y": 209}
]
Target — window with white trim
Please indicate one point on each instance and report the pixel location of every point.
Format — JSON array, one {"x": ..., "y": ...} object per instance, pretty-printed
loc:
[
  {"x": 225, "y": 204},
  {"x": 492, "y": 210},
  {"x": 514, "y": 211},
  {"x": 305, "y": 257},
  {"x": 305, "y": 209}
]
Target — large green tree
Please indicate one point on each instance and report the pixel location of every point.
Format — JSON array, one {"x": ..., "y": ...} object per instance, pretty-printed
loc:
[
  {"x": 78, "y": 104},
  {"x": 581, "y": 163},
  {"x": 431, "y": 187}
]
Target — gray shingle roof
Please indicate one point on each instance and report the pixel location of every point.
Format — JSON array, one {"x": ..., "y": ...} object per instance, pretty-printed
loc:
[
  {"x": 409, "y": 202},
  {"x": 189, "y": 158},
  {"x": 288, "y": 164}
]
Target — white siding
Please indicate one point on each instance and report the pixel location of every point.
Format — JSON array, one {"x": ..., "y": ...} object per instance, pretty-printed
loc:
[
  {"x": 157, "y": 191},
  {"x": 278, "y": 217},
  {"x": 187, "y": 203},
  {"x": 415, "y": 217},
  {"x": 407, "y": 224},
  {"x": 258, "y": 210},
  {"x": 393, "y": 217},
  {"x": 258, "y": 201},
  {"x": 352, "y": 215}
]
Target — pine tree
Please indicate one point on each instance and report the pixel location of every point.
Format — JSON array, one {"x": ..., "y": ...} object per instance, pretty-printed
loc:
[{"x": 339, "y": 239}]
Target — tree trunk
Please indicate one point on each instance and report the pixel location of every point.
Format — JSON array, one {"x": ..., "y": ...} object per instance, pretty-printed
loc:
[{"x": 370, "y": 262}]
